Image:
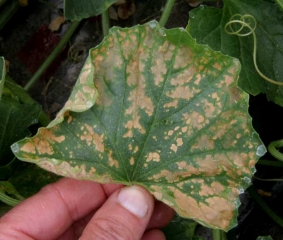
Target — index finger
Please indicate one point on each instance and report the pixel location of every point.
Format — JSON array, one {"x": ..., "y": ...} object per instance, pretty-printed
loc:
[{"x": 48, "y": 214}]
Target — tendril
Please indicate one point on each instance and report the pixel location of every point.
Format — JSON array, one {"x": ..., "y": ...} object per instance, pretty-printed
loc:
[
  {"x": 273, "y": 149},
  {"x": 244, "y": 25}
]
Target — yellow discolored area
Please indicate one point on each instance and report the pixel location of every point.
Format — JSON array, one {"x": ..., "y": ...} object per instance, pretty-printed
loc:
[
  {"x": 42, "y": 142},
  {"x": 216, "y": 211},
  {"x": 159, "y": 67},
  {"x": 205, "y": 190},
  {"x": 174, "y": 176},
  {"x": 205, "y": 142},
  {"x": 64, "y": 168},
  {"x": 183, "y": 58},
  {"x": 139, "y": 100}
]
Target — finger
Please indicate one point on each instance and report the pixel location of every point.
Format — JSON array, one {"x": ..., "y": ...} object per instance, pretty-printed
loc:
[
  {"x": 110, "y": 188},
  {"x": 124, "y": 215},
  {"x": 49, "y": 213},
  {"x": 154, "y": 234},
  {"x": 162, "y": 215},
  {"x": 77, "y": 228}
]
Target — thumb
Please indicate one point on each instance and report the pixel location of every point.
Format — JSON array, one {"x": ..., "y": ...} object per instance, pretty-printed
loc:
[{"x": 125, "y": 215}]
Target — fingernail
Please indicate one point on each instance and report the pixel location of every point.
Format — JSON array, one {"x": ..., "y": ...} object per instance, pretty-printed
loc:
[{"x": 134, "y": 200}]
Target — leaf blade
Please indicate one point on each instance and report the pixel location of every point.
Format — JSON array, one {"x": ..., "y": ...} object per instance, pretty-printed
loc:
[
  {"x": 162, "y": 115},
  {"x": 76, "y": 11}
]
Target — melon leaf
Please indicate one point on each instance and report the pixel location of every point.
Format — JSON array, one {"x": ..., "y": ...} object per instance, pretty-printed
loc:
[{"x": 152, "y": 107}]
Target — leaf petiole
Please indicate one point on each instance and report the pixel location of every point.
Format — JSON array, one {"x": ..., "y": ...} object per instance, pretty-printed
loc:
[
  {"x": 166, "y": 13},
  {"x": 105, "y": 22}
]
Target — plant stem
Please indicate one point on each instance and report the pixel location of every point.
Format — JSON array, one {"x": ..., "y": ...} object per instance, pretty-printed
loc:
[
  {"x": 53, "y": 55},
  {"x": 7, "y": 12},
  {"x": 2, "y": 77},
  {"x": 269, "y": 180},
  {"x": 280, "y": 3},
  {"x": 218, "y": 234},
  {"x": 105, "y": 22},
  {"x": 2, "y": 2},
  {"x": 251, "y": 190},
  {"x": 166, "y": 13},
  {"x": 270, "y": 163},
  {"x": 8, "y": 200},
  {"x": 25, "y": 98}
]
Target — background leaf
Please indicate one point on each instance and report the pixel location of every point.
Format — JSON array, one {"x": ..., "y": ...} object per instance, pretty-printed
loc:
[
  {"x": 264, "y": 238},
  {"x": 167, "y": 115},
  {"x": 181, "y": 229},
  {"x": 77, "y": 10},
  {"x": 2, "y": 75},
  {"x": 15, "y": 118},
  {"x": 207, "y": 26},
  {"x": 28, "y": 179}
]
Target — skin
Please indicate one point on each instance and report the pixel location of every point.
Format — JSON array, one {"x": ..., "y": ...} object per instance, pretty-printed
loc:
[{"x": 72, "y": 209}]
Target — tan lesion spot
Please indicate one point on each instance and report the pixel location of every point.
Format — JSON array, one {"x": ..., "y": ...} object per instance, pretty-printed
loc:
[
  {"x": 216, "y": 211},
  {"x": 70, "y": 118},
  {"x": 215, "y": 96},
  {"x": 173, "y": 104},
  {"x": 136, "y": 149},
  {"x": 194, "y": 121},
  {"x": 183, "y": 92},
  {"x": 179, "y": 142},
  {"x": 132, "y": 161},
  {"x": 84, "y": 75},
  {"x": 93, "y": 138},
  {"x": 80, "y": 97},
  {"x": 183, "y": 58},
  {"x": 170, "y": 132},
  {"x": 139, "y": 99},
  {"x": 174, "y": 147},
  {"x": 28, "y": 148},
  {"x": 133, "y": 124},
  {"x": 215, "y": 189},
  {"x": 42, "y": 145},
  {"x": 49, "y": 134},
  {"x": 235, "y": 95},
  {"x": 153, "y": 156},
  {"x": 183, "y": 165},
  {"x": 205, "y": 142},
  {"x": 184, "y": 129},
  {"x": 112, "y": 162},
  {"x": 198, "y": 79},
  {"x": 158, "y": 69},
  {"x": 169, "y": 176},
  {"x": 209, "y": 109},
  {"x": 217, "y": 66}
]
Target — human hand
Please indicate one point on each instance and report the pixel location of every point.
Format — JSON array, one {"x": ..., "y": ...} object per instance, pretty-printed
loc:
[{"x": 71, "y": 209}]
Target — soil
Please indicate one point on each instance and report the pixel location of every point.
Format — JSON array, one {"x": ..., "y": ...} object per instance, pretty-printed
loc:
[{"x": 26, "y": 41}]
